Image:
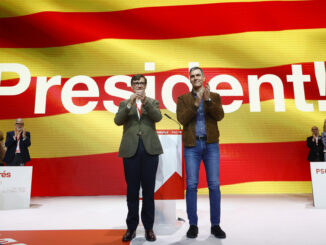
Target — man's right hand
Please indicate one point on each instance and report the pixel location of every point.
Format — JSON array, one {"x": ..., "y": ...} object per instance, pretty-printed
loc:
[
  {"x": 132, "y": 99},
  {"x": 315, "y": 136},
  {"x": 199, "y": 97},
  {"x": 17, "y": 133},
  {"x": 24, "y": 133},
  {"x": 141, "y": 95}
]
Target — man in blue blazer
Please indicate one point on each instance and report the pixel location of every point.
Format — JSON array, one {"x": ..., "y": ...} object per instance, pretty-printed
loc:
[{"x": 17, "y": 143}]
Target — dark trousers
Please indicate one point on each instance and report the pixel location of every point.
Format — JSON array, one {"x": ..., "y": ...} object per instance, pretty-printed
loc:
[
  {"x": 18, "y": 161},
  {"x": 140, "y": 170}
]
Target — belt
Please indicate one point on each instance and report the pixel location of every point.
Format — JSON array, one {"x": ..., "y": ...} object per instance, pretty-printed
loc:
[{"x": 201, "y": 137}]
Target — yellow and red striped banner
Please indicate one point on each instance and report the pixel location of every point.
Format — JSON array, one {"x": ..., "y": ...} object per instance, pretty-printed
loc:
[{"x": 265, "y": 58}]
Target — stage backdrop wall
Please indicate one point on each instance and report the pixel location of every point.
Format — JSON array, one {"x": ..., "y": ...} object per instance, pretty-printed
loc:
[{"x": 66, "y": 65}]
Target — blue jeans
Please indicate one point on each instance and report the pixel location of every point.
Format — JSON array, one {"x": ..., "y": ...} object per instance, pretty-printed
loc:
[{"x": 210, "y": 154}]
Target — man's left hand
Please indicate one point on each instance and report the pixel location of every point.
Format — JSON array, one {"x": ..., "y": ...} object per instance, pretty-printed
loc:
[
  {"x": 141, "y": 95},
  {"x": 207, "y": 92},
  {"x": 24, "y": 133}
]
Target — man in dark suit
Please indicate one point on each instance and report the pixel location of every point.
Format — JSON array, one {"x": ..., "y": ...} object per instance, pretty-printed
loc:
[
  {"x": 315, "y": 143},
  {"x": 17, "y": 143},
  {"x": 139, "y": 148}
]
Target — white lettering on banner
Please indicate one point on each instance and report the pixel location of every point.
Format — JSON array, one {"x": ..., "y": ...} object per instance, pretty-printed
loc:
[
  {"x": 321, "y": 78},
  {"x": 111, "y": 89},
  {"x": 236, "y": 90},
  {"x": 42, "y": 87},
  {"x": 167, "y": 90},
  {"x": 67, "y": 94},
  {"x": 298, "y": 79},
  {"x": 254, "y": 83},
  {"x": 150, "y": 88},
  {"x": 24, "y": 81}
]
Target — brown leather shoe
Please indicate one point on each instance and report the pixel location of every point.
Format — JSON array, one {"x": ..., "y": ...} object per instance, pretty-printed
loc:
[
  {"x": 150, "y": 235},
  {"x": 129, "y": 235}
]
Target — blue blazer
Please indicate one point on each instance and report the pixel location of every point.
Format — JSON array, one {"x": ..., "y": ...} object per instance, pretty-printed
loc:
[{"x": 11, "y": 145}]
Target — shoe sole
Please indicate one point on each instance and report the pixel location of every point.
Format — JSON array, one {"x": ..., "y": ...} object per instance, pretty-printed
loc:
[
  {"x": 151, "y": 240},
  {"x": 192, "y": 237},
  {"x": 220, "y": 237}
]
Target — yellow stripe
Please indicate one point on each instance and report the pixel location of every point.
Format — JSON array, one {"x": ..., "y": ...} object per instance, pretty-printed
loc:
[
  {"x": 265, "y": 187},
  {"x": 269, "y": 126},
  {"x": 95, "y": 133},
  {"x": 10, "y": 8},
  {"x": 115, "y": 56},
  {"x": 70, "y": 134}
]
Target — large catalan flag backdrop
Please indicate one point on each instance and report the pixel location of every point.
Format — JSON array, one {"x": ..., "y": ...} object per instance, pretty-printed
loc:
[{"x": 262, "y": 143}]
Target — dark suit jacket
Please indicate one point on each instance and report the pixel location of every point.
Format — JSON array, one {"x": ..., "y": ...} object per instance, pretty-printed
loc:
[
  {"x": 316, "y": 153},
  {"x": 132, "y": 125},
  {"x": 11, "y": 145},
  {"x": 186, "y": 115}
]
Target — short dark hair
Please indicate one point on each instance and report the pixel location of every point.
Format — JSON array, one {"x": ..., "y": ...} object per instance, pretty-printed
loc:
[
  {"x": 137, "y": 78},
  {"x": 196, "y": 68}
]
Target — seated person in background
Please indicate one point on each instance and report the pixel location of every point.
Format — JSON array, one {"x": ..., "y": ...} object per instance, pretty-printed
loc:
[
  {"x": 323, "y": 137},
  {"x": 17, "y": 143},
  {"x": 316, "y": 146},
  {"x": 2, "y": 149}
]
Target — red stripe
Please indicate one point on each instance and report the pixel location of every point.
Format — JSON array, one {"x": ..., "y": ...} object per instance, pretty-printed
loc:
[
  {"x": 55, "y": 237},
  {"x": 50, "y": 29},
  {"x": 264, "y": 162},
  {"x": 100, "y": 174},
  {"x": 103, "y": 174},
  {"x": 54, "y": 105}
]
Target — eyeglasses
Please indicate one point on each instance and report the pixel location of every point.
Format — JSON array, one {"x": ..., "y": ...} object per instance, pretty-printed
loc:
[{"x": 139, "y": 83}]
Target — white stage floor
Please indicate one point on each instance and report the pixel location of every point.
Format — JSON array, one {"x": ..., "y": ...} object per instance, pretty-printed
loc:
[{"x": 246, "y": 219}]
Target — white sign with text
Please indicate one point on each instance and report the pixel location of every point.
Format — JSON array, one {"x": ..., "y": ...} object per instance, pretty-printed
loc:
[
  {"x": 15, "y": 187},
  {"x": 318, "y": 178}
]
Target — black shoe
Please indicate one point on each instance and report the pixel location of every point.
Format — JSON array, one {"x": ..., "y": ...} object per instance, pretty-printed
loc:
[
  {"x": 217, "y": 231},
  {"x": 129, "y": 235},
  {"x": 150, "y": 235},
  {"x": 192, "y": 232}
]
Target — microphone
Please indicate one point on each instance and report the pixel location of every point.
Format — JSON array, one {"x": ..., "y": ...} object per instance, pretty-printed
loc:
[{"x": 173, "y": 120}]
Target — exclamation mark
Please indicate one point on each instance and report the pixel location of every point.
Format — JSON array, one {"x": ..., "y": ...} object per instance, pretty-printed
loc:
[{"x": 320, "y": 74}]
